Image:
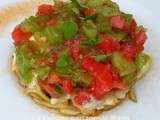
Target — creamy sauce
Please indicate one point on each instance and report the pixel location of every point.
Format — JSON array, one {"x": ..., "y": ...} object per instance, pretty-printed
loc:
[{"x": 94, "y": 104}]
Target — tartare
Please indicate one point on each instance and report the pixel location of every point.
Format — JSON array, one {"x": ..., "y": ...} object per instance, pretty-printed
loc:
[{"x": 80, "y": 57}]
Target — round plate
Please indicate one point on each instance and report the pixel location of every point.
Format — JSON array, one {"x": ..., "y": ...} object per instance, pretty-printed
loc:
[{"x": 15, "y": 105}]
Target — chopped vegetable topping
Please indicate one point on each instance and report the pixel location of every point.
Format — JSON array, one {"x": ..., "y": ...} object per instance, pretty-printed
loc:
[
  {"x": 63, "y": 60},
  {"x": 80, "y": 50},
  {"x": 20, "y": 36},
  {"x": 45, "y": 9},
  {"x": 89, "y": 29},
  {"x": 117, "y": 22},
  {"x": 109, "y": 44},
  {"x": 103, "y": 77},
  {"x": 101, "y": 58},
  {"x": 123, "y": 66},
  {"x": 53, "y": 35},
  {"x": 69, "y": 29}
]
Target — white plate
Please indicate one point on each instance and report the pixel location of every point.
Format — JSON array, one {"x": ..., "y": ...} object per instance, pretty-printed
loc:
[{"x": 14, "y": 105}]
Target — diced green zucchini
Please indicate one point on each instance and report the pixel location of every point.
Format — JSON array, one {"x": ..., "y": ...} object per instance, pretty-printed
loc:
[
  {"x": 81, "y": 78},
  {"x": 65, "y": 67},
  {"x": 90, "y": 42},
  {"x": 38, "y": 34},
  {"x": 143, "y": 63},
  {"x": 119, "y": 35},
  {"x": 130, "y": 79},
  {"x": 63, "y": 59},
  {"x": 103, "y": 24},
  {"x": 102, "y": 58},
  {"x": 89, "y": 29},
  {"x": 53, "y": 35},
  {"x": 108, "y": 11},
  {"x": 31, "y": 24},
  {"x": 69, "y": 29},
  {"x": 78, "y": 4},
  {"x": 128, "y": 17},
  {"x": 94, "y": 3},
  {"x": 24, "y": 65},
  {"x": 122, "y": 64},
  {"x": 42, "y": 72}
]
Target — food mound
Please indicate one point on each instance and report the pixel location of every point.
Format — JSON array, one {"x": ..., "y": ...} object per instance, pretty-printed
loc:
[{"x": 80, "y": 58}]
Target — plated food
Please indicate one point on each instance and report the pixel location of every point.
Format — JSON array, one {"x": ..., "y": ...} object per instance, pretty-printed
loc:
[{"x": 80, "y": 57}]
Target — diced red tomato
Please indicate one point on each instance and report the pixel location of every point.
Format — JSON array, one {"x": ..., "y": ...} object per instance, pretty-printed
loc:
[
  {"x": 140, "y": 38},
  {"x": 108, "y": 44},
  {"x": 129, "y": 51},
  {"x": 139, "y": 48},
  {"x": 74, "y": 46},
  {"x": 51, "y": 22},
  {"x": 19, "y": 36},
  {"x": 100, "y": 88},
  {"x": 75, "y": 42},
  {"x": 89, "y": 12},
  {"x": 133, "y": 27},
  {"x": 48, "y": 85},
  {"x": 48, "y": 88},
  {"x": 126, "y": 28},
  {"x": 54, "y": 56},
  {"x": 75, "y": 53},
  {"x": 67, "y": 86},
  {"x": 45, "y": 9},
  {"x": 82, "y": 98},
  {"x": 117, "y": 81},
  {"x": 117, "y": 22},
  {"x": 54, "y": 79},
  {"x": 104, "y": 79}
]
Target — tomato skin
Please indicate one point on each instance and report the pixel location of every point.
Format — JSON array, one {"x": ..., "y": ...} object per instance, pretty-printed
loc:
[
  {"x": 126, "y": 28},
  {"x": 105, "y": 79},
  {"x": 109, "y": 44},
  {"x": 19, "y": 36},
  {"x": 89, "y": 12},
  {"x": 117, "y": 22},
  {"x": 129, "y": 51},
  {"x": 140, "y": 38},
  {"x": 133, "y": 27},
  {"x": 67, "y": 86},
  {"x": 82, "y": 98},
  {"x": 45, "y": 9}
]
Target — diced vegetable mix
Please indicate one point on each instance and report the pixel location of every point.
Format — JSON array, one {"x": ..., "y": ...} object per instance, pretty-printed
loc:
[
  {"x": 123, "y": 66},
  {"x": 69, "y": 29},
  {"x": 98, "y": 48}
]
